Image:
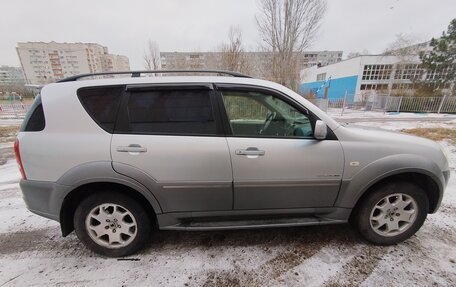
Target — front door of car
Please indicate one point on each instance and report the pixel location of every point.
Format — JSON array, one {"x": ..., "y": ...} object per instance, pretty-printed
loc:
[
  {"x": 277, "y": 163},
  {"x": 169, "y": 139}
]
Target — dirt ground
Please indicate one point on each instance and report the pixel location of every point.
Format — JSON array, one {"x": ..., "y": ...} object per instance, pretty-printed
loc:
[{"x": 33, "y": 253}]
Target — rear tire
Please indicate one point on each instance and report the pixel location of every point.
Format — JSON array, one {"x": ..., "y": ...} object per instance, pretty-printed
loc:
[
  {"x": 112, "y": 224},
  {"x": 392, "y": 213}
]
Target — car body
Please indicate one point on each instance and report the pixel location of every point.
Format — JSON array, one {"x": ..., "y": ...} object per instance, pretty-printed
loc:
[{"x": 211, "y": 152}]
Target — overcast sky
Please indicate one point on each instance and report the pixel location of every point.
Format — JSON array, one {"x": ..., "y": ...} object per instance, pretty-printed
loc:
[{"x": 201, "y": 25}]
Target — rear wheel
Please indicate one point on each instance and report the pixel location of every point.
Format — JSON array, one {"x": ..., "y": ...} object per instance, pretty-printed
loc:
[
  {"x": 392, "y": 213},
  {"x": 112, "y": 224}
]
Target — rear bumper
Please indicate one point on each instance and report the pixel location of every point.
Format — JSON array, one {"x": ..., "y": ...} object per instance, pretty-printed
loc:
[{"x": 43, "y": 197}]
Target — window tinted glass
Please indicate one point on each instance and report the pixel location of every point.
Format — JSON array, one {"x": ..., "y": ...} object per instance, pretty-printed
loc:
[
  {"x": 34, "y": 120},
  {"x": 171, "y": 112},
  {"x": 258, "y": 114},
  {"x": 102, "y": 104}
]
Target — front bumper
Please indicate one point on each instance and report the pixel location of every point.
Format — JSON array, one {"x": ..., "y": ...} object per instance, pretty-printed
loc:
[
  {"x": 446, "y": 175},
  {"x": 43, "y": 197},
  {"x": 446, "y": 179}
]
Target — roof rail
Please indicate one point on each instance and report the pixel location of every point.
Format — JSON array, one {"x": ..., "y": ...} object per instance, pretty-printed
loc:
[{"x": 138, "y": 74}]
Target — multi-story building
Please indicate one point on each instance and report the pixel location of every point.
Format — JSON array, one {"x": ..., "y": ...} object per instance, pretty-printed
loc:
[
  {"x": 364, "y": 75},
  {"x": 112, "y": 63},
  {"x": 44, "y": 63},
  {"x": 11, "y": 76},
  {"x": 256, "y": 61}
]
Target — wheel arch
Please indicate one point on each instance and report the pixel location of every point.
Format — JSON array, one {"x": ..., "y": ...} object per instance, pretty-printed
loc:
[
  {"x": 87, "y": 178},
  {"x": 353, "y": 190},
  {"x": 425, "y": 181},
  {"x": 76, "y": 195}
]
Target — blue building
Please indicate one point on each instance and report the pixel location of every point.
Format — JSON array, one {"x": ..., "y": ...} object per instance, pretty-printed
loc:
[{"x": 360, "y": 75}]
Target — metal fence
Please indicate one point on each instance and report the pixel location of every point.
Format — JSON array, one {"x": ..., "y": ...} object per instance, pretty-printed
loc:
[
  {"x": 445, "y": 104},
  {"x": 13, "y": 111}
]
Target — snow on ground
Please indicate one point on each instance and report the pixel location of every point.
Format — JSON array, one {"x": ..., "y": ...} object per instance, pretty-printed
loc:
[
  {"x": 9, "y": 173},
  {"x": 398, "y": 125},
  {"x": 9, "y": 122},
  {"x": 350, "y": 113},
  {"x": 32, "y": 251}
]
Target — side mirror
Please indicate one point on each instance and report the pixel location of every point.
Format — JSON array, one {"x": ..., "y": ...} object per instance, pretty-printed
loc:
[{"x": 320, "y": 130}]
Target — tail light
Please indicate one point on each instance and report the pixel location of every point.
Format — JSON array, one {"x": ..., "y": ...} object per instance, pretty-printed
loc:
[{"x": 17, "y": 153}]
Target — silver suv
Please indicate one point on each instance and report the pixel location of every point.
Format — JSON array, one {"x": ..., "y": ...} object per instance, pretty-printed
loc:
[{"x": 115, "y": 159}]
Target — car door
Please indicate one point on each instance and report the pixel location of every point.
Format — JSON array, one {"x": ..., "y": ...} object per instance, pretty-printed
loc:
[
  {"x": 277, "y": 163},
  {"x": 169, "y": 138}
]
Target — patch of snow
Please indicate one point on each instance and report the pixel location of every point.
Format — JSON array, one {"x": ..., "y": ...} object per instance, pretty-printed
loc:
[
  {"x": 399, "y": 125},
  {"x": 32, "y": 251},
  {"x": 376, "y": 114},
  {"x": 9, "y": 172},
  {"x": 10, "y": 122},
  {"x": 6, "y": 145}
]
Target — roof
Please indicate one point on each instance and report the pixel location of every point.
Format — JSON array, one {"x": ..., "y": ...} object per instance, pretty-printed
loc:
[
  {"x": 163, "y": 79},
  {"x": 69, "y": 88},
  {"x": 138, "y": 74}
]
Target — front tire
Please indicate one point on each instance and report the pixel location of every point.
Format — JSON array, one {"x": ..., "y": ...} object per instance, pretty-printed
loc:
[
  {"x": 112, "y": 224},
  {"x": 392, "y": 213}
]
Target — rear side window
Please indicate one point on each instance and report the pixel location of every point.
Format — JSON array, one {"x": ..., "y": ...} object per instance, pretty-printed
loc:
[
  {"x": 185, "y": 111},
  {"x": 102, "y": 104},
  {"x": 34, "y": 120}
]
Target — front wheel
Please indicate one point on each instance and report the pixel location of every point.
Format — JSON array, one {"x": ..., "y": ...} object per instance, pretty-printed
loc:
[
  {"x": 112, "y": 224},
  {"x": 392, "y": 213}
]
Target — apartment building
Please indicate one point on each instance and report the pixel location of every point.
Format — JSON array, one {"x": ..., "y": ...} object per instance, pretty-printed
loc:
[
  {"x": 256, "y": 61},
  {"x": 11, "y": 76},
  {"x": 112, "y": 63},
  {"x": 44, "y": 63}
]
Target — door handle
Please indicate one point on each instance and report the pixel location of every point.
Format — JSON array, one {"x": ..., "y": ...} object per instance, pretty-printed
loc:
[
  {"x": 132, "y": 148},
  {"x": 250, "y": 151}
]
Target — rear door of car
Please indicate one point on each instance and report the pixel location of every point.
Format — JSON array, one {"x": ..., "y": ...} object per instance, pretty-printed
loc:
[{"x": 172, "y": 136}]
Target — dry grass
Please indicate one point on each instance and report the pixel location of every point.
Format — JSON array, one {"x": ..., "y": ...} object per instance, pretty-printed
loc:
[
  {"x": 8, "y": 131},
  {"x": 7, "y": 135},
  {"x": 435, "y": 134}
]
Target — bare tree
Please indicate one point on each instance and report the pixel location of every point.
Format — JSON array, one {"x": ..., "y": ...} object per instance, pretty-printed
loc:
[
  {"x": 405, "y": 47},
  {"x": 287, "y": 27},
  {"x": 357, "y": 54},
  {"x": 152, "y": 56},
  {"x": 233, "y": 57}
]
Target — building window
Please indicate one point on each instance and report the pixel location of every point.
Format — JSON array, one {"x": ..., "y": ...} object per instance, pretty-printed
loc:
[
  {"x": 321, "y": 77},
  {"x": 408, "y": 72},
  {"x": 376, "y": 87},
  {"x": 403, "y": 86},
  {"x": 377, "y": 72}
]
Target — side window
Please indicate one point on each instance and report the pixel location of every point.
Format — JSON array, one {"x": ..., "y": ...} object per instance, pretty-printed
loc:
[
  {"x": 34, "y": 120},
  {"x": 102, "y": 104},
  {"x": 184, "y": 111},
  {"x": 263, "y": 115}
]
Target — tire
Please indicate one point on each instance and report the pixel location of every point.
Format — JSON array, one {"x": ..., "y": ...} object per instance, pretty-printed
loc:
[
  {"x": 112, "y": 224},
  {"x": 377, "y": 214}
]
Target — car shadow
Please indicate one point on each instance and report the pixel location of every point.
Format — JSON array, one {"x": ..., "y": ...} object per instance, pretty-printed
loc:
[
  {"x": 269, "y": 237},
  {"x": 49, "y": 239}
]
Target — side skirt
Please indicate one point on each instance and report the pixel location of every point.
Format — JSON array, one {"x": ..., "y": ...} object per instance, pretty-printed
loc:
[{"x": 250, "y": 219}]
